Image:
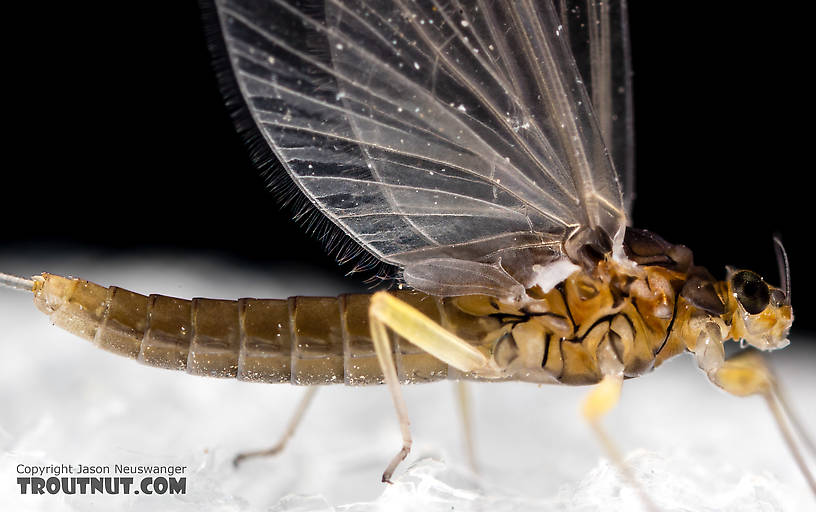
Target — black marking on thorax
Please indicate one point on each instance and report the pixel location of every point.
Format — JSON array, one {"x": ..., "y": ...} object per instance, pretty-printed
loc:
[
  {"x": 525, "y": 316},
  {"x": 608, "y": 318},
  {"x": 547, "y": 340},
  {"x": 562, "y": 290},
  {"x": 671, "y": 326}
]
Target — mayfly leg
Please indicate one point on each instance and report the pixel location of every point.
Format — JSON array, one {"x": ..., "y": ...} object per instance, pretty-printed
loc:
[
  {"x": 781, "y": 396},
  {"x": 463, "y": 396},
  {"x": 782, "y": 410},
  {"x": 387, "y": 313},
  {"x": 287, "y": 434},
  {"x": 382, "y": 346},
  {"x": 603, "y": 397},
  {"x": 782, "y": 416},
  {"x": 748, "y": 374}
]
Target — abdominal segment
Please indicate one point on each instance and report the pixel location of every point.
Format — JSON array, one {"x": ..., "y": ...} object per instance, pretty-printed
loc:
[{"x": 299, "y": 340}]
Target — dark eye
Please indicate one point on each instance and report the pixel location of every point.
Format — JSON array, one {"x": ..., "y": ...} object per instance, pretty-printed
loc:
[{"x": 751, "y": 290}]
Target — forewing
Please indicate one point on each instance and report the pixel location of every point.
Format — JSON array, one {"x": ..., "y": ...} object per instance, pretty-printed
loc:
[
  {"x": 598, "y": 32},
  {"x": 427, "y": 129}
]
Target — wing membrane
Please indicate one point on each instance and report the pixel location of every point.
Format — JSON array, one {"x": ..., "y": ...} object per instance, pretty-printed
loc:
[
  {"x": 598, "y": 31},
  {"x": 427, "y": 129}
]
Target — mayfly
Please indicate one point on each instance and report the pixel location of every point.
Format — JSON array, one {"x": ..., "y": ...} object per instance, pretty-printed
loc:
[{"x": 485, "y": 151}]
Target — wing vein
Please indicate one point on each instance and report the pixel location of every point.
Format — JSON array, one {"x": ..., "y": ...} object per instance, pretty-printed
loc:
[
  {"x": 416, "y": 89},
  {"x": 480, "y": 94}
]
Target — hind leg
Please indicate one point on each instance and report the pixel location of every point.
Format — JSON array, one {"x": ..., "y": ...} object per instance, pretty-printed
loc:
[{"x": 387, "y": 313}]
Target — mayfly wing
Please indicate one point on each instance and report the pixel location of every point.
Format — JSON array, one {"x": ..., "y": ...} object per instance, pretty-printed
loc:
[
  {"x": 599, "y": 37},
  {"x": 428, "y": 132}
]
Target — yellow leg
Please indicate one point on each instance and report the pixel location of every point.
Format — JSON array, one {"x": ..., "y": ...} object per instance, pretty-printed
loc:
[
  {"x": 748, "y": 374},
  {"x": 389, "y": 313},
  {"x": 426, "y": 334},
  {"x": 603, "y": 397},
  {"x": 290, "y": 431},
  {"x": 744, "y": 374}
]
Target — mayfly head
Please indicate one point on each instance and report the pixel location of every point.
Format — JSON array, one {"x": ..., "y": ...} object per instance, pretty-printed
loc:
[{"x": 761, "y": 313}]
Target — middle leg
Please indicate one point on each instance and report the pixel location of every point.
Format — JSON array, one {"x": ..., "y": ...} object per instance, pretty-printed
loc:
[
  {"x": 290, "y": 431},
  {"x": 465, "y": 410},
  {"x": 602, "y": 399}
]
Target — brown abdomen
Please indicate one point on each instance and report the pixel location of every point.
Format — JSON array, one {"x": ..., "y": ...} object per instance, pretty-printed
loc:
[{"x": 302, "y": 340}]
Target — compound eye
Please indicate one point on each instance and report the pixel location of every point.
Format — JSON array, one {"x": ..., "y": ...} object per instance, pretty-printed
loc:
[{"x": 751, "y": 291}]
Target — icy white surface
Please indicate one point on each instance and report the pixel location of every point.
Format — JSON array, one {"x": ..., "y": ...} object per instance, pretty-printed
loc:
[{"x": 63, "y": 401}]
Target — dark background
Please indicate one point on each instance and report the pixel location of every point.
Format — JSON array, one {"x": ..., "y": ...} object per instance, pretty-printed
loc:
[{"x": 117, "y": 139}]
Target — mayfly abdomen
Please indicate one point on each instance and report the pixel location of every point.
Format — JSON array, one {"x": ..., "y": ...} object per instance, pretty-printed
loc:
[{"x": 302, "y": 340}]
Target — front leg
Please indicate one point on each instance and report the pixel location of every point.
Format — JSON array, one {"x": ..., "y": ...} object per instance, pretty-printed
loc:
[
  {"x": 387, "y": 312},
  {"x": 748, "y": 374},
  {"x": 743, "y": 375}
]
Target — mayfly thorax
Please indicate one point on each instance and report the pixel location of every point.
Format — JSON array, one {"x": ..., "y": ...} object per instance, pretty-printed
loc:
[{"x": 485, "y": 154}]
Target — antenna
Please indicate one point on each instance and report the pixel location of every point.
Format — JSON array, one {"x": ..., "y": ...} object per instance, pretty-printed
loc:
[{"x": 784, "y": 267}]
